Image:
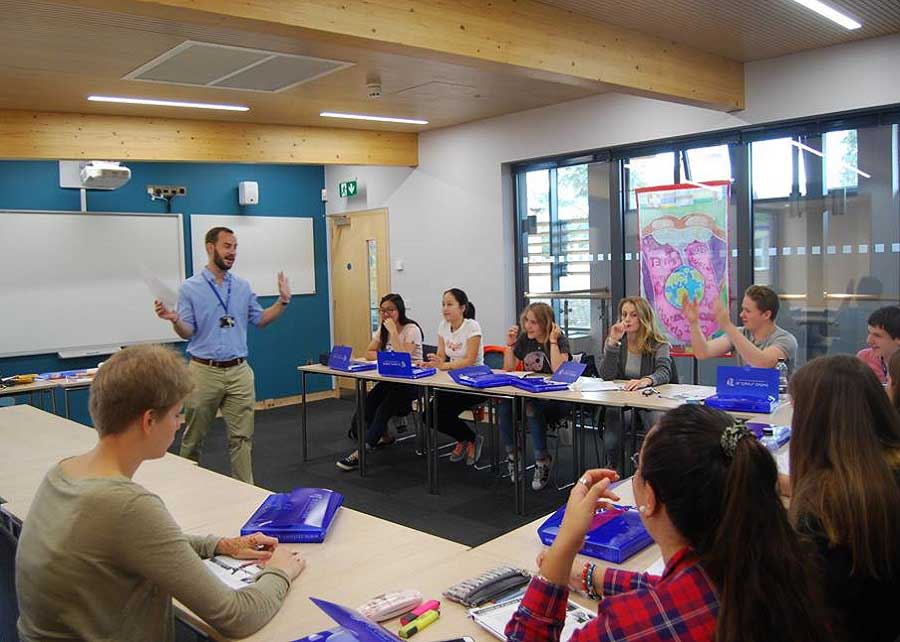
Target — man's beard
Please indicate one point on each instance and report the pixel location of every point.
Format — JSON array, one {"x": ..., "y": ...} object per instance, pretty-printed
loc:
[{"x": 219, "y": 260}]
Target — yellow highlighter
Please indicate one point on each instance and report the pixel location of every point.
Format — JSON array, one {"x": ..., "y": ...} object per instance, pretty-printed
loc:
[{"x": 418, "y": 624}]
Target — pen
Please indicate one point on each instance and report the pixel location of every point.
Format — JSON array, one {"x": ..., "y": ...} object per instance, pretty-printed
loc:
[{"x": 418, "y": 624}]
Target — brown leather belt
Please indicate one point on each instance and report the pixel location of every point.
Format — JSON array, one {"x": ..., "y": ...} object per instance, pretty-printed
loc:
[{"x": 219, "y": 364}]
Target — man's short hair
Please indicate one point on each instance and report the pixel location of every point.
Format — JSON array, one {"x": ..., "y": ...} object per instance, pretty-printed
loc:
[
  {"x": 765, "y": 299},
  {"x": 133, "y": 381},
  {"x": 888, "y": 319},
  {"x": 213, "y": 235}
]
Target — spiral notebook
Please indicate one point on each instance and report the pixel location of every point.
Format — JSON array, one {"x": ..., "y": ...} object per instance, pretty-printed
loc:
[{"x": 301, "y": 516}]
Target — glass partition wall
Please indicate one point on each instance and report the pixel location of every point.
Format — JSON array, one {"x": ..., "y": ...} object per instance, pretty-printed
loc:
[{"x": 813, "y": 212}]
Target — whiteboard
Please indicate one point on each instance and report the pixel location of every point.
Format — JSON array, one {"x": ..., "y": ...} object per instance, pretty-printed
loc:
[
  {"x": 75, "y": 281},
  {"x": 267, "y": 245}
]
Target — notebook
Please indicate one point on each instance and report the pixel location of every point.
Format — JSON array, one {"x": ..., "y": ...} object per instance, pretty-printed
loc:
[
  {"x": 566, "y": 375},
  {"x": 399, "y": 364},
  {"x": 745, "y": 389},
  {"x": 479, "y": 377},
  {"x": 493, "y": 618},
  {"x": 339, "y": 359},
  {"x": 301, "y": 516},
  {"x": 615, "y": 534},
  {"x": 352, "y": 626}
]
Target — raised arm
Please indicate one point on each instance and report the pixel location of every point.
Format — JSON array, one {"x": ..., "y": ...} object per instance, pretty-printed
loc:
[
  {"x": 751, "y": 355},
  {"x": 274, "y": 311},
  {"x": 181, "y": 328},
  {"x": 509, "y": 354},
  {"x": 557, "y": 355},
  {"x": 702, "y": 348}
]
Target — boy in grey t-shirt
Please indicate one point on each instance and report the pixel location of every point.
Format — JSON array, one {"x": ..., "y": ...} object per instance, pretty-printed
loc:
[{"x": 759, "y": 343}]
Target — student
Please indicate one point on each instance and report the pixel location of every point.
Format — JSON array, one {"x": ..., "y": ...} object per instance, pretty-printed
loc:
[
  {"x": 735, "y": 569},
  {"x": 759, "y": 343},
  {"x": 883, "y": 340},
  {"x": 893, "y": 380},
  {"x": 845, "y": 479},
  {"x": 386, "y": 399},
  {"x": 540, "y": 346},
  {"x": 459, "y": 346},
  {"x": 635, "y": 350},
  {"x": 100, "y": 557}
]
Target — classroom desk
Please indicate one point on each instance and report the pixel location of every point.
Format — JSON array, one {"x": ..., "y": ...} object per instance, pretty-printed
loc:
[
  {"x": 40, "y": 387},
  {"x": 68, "y": 385},
  {"x": 618, "y": 400}
]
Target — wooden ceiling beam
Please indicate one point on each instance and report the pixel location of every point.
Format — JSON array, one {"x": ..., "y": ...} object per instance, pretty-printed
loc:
[
  {"x": 47, "y": 135},
  {"x": 522, "y": 35}
]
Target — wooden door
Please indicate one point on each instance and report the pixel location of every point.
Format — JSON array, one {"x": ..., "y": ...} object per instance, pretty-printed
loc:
[{"x": 360, "y": 276}]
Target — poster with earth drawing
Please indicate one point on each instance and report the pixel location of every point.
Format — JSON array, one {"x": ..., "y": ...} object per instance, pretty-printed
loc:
[{"x": 683, "y": 235}]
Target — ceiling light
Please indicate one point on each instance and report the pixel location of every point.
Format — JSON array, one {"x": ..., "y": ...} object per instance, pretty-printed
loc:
[
  {"x": 809, "y": 149},
  {"x": 165, "y": 103},
  {"x": 832, "y": 14},
  {"x": 381, "y": 119}
]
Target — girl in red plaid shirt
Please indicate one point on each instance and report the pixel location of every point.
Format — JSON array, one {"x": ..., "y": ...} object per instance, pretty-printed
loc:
[{"x": 735, "y": 570}]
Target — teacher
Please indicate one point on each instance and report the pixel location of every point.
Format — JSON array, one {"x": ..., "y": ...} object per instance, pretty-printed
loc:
[{"x": 213, "y": 310}]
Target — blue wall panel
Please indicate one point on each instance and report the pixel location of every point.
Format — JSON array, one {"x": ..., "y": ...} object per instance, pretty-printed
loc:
[{"x": 298, "y": 336}]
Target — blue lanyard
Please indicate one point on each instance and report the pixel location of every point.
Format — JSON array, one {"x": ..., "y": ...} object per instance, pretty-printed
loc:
[{"x": 215, "y": 290}]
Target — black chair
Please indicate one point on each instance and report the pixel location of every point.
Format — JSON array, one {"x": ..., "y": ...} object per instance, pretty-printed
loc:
[{"x": 9, "y": 607}]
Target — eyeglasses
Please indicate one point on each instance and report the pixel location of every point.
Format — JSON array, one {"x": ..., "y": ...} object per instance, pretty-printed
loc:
[
  {"x": 388, "y": 310},
  {"x": 636, "y": 460}
]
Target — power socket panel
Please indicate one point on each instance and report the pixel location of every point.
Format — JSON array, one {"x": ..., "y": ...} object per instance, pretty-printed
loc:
[{"x": 166, "y": 191}]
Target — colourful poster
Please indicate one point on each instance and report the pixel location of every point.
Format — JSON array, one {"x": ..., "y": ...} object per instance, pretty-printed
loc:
[{"x": 684, "y": 252}]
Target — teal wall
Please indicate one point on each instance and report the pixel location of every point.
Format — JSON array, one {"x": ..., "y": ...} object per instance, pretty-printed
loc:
[{"x": 298, "y": 336}]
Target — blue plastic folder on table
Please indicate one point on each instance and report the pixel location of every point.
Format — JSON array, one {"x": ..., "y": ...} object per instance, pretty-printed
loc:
[
  {"x": 399, "y": 364},
  {"x": 479, "y": 377},
  {"x": 339, "y": 359},
  {"x": 353, "y": 626},
  {"x": 301, "y": 516},
  {"x": 565, "y": 375},
  {"x": 745, "y": 389},
  {"x": 615, "y": 534}
]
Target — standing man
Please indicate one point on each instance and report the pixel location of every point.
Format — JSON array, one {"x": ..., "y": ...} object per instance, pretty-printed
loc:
[
  {"x": 214, "y": 308},
  {"x": 759, "y": 343}
]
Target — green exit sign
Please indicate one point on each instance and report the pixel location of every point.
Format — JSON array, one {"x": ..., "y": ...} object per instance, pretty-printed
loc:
[{"x": 347, "y": 188}]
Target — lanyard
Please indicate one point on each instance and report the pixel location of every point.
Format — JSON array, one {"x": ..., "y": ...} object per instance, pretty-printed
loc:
[{"x": 218, "y": 296}]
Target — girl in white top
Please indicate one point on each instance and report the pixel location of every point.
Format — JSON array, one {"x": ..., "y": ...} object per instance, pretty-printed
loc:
[
  {"x": 459, "y": 346},
  {"x": 386, "y": 399}
]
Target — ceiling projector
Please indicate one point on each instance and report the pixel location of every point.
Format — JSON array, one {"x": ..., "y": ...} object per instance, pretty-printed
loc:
[{"x": 104, "y": 175}]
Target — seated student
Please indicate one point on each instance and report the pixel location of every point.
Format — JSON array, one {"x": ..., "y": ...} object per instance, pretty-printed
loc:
[
  {"x": 759, "y": 343},
  {"x": 100, "y": 557},
  {"x": 387, "y": 399},
  {"x": 893, "y": 380},
  {"x": 845, "y": 482},
  {"x": 635, "y": 350},
  {"x": 459, "y": 340},
  {"x": 883, "y": 340},
  {"x": 735, "y": 569},
  {"x": 540, "y": 347}
]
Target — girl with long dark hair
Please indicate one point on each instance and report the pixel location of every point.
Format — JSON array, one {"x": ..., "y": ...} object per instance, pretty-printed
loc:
[
  {"x": 735, "y": 569},
  {"x": 387, "y": 399}
]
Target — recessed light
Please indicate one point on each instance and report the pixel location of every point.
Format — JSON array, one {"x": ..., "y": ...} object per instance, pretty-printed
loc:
[
  {"x": 381, "y": 119},
  {"x": 165, "y": 103},
  {"x": 832, "y": 14}
]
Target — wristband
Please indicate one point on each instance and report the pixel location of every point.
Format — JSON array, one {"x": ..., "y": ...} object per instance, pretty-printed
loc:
[{"x": 591, "y": 593}]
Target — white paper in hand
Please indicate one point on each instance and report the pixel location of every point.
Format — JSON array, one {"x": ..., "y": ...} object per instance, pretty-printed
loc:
[{"x": 160, "y": 290}]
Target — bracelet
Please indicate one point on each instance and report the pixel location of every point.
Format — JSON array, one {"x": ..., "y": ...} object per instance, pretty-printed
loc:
[
  {"x": 589, "y": 584},
  {"x": 584, "y": 577}
]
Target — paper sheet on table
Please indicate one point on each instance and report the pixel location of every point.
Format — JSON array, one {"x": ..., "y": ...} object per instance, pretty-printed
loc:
[
  {"x": 657, "y": 567},
  {"x": 593, "y": 384},
  {"x": 231, "y": 571},
  {"x": 493, "y": 618},
  {"x": 160, "y": 290}
]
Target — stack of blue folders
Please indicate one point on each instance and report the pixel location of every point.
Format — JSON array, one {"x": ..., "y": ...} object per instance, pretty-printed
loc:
[
  {"x": 353, "y": 627},
  {"x": 480, "y": 377},
  {"x": 298, "y": 517},
  {"x": 565, "y": 375},
  {"x": 615, "y": 534},
  {"x": 745, "y": 389}
]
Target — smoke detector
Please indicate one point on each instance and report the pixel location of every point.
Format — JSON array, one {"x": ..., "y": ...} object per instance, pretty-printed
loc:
[{"x": 373, "y": 89}]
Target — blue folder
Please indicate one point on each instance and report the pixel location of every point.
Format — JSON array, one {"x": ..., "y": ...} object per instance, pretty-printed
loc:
[
  {"x": 745, "y": 389},
  {"x": 399, "y": 364},
  {"x": 615, "y": 534},
  {"x": 339, "y": 359},
  {"x": 354, "y": 627},
  {"x": 301, "y": 516},
  {"x": 564, "y": 376},
  {"x": 479, "y": 377}
]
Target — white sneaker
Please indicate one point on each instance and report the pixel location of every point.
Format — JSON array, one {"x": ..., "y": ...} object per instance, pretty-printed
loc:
[
  {"x": 511, "y": 467},
  {"x": 541, "y": 473}
]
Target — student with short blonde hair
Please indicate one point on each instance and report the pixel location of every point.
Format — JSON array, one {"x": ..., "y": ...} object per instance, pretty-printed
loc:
[{"x": 100, "y": 557}]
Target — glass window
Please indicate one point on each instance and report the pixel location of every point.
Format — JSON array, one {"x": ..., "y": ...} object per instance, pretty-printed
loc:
[
  {"x": 537, "y": 225},
  {"x": 830, "y": 243},
  {"x": 709, "y": 164}
]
